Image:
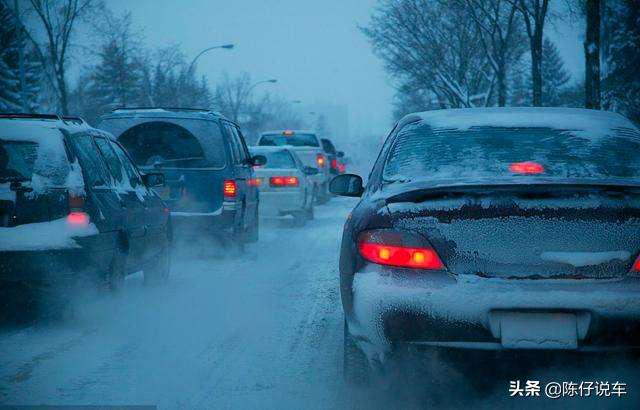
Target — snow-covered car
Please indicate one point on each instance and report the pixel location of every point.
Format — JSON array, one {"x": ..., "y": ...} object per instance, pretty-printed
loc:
[
  {"x": 494, "y": 229},
  {"x": 206, "y": 164},
  {"x": 307, "y": 146},
  {"x": 73, "y": 207},
  {"x": 285, "y": 184}
]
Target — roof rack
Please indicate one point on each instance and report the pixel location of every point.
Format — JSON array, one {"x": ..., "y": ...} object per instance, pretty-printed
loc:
[{"x": 164, "y": 108}]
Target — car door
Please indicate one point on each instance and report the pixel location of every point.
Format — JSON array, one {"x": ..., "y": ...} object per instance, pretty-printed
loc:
[
  {"x": 133, "y": 192},
  {"x": 101, "y": 201},
  {"x": 156, "y": 212}
]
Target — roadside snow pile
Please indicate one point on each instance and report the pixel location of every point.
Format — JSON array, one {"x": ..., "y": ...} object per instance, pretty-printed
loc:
[{"x": 57, "y": 234}]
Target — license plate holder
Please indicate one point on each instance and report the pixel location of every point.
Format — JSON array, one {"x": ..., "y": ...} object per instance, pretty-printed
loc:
[{"x": 533, "y": 330}]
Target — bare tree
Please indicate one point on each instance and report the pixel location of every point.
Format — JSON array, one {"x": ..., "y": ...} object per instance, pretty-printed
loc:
[
  {"x": 429, "y": 45},
  {"x": 497, "y": 28},
  {"x": 58, "y": 20},
  {"x": 592, "y": 55},
  {"x": 232, "y": 96},
  {"x": 534, "y": 14}
]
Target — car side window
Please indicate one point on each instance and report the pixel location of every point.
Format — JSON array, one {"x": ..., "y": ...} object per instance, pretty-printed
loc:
[
  {"x": 234, "y": 142},
  {"x": 111, "y": 159},
  {"x": 244, "y": 151},
  {"x": 94, "y": 169},
  {"x": 129, "y": 169}
]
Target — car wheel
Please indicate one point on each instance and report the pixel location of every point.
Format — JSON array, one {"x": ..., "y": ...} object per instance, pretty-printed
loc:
[
  {"x": 114, "y": 277},
  {"x": 323, "y": 195},
  {"x": 355, "y": 365},
  {"x": 299, "y": 219},
  {"x": 158, "y": 270}
]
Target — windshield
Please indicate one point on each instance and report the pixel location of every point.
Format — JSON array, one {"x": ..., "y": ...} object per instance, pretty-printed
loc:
[
  {"x": 17, "y": 160},
  {"x": 296, "y": 140},
  {"x": 421, "y": 152},
  {"x": 277, "y": 159}
]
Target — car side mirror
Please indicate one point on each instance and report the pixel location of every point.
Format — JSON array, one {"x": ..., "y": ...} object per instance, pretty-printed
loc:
[
  {"x": 257, "y": 160},
  {"x": 153, "y": 179},
  {"x": 346, "y": 185},
  {"x": 339, "y": 154},
  {"x": 310, "y": 170}
]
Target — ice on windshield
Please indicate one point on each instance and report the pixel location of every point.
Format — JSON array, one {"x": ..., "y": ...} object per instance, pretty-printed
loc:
[
  {"x": 422, "y": 152},
  {"x": 296, "y": 140}
]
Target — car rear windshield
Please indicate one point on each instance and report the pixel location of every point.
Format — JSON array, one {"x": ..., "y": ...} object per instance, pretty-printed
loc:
[
  {"x": 174, "y": 143},
  {"x": 296, "y": 140},
  {"x": 421, "y": 152},
  {"x": 278, "y": 159},
  {"x": 17, "y": 160}
]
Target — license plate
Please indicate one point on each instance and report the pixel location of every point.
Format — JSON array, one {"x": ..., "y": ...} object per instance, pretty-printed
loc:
[{"x": 524, "y": 330}]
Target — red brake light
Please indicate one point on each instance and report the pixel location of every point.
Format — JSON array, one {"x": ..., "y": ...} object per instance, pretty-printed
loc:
[
  {"x": 636, "y": 265},
  {"x": 229, "y": 188},
  {"x": 288, "y": 181},
  {"x": 527, "y": 167},
  {"x": 334, "y": 164},
  {"x": 405, "y": 257},
  {"x": 288, "y": 133},
  {"x": 342, "y": 168},
  {"x": 254, "y": 182},
  {"x": 78, "y": 218},
  {"x": 320, "y": 160}
]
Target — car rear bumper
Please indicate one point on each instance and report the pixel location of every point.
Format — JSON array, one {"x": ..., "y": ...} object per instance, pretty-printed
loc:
[
  {"x": 284, "y": 201},
  {"x": 52, "y": 267},
  {"x": 439, "y": 309},
  {"x": 195, "y": 224}
]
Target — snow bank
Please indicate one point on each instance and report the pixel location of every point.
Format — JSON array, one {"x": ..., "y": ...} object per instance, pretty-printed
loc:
[
  {"x": 57, "y": 234},
  {"x": 579, "y": 259}
]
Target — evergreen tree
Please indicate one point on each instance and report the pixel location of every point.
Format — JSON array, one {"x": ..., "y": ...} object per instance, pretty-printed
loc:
[
  {"x": 554, "y": 76},
  {"x": 11, "y": 43},
  {"x": 621, "y": 51}
]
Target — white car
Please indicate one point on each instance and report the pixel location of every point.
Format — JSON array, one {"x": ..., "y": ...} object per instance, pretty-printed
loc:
[
  {"x": 306, "y": 145},
  {"x": 285, "y": 184}
]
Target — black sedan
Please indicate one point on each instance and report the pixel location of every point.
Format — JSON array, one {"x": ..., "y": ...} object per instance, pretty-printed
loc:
[{"x": 494, "y": 229}]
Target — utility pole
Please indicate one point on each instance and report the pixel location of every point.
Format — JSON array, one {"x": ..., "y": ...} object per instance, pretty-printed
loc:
[{"x": 20, "y": 36}]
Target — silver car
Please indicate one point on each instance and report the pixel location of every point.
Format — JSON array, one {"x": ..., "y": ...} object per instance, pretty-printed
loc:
[{"x": 285, "y": 184}]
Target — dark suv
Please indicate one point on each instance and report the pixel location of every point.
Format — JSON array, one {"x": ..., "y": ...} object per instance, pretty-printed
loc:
[
  {"x": 206, "y": 164},
  {"x": 72, "y": 206}
]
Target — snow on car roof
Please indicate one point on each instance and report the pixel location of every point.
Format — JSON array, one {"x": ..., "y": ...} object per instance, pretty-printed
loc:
[{"x": 582, "y": 121}]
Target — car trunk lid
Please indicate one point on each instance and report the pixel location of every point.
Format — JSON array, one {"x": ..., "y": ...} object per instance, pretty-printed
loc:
[{"x": 528, "y": 232}]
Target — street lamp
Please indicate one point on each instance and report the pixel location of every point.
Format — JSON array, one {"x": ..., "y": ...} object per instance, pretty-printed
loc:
[
  {"x": 273, "y": 80},
  {"x": 193, "y": 62}
]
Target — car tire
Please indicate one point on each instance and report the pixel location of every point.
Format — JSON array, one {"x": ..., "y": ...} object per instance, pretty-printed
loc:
[
  {"x": 355, "y": 365},
  {"x": 114, "y": 277},
  {"x": 157, "y": 272},
  {"x": 299, "y": 219},
  {"x": 253, "y": 234}
]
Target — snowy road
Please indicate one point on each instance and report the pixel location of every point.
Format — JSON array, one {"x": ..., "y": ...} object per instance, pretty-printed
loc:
[{"x": 260, "y": 331}]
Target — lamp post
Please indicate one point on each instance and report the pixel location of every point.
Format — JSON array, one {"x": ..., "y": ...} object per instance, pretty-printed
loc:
[
  {"x": 193, "y": 62},
  {"x": 273, "y": 80}
]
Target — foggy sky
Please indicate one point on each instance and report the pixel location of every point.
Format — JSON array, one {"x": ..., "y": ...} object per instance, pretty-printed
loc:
[{"x": 314, "y": 48}]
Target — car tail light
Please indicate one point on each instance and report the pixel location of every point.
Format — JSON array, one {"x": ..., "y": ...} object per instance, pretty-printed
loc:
[
  {"x": 527, "y": 167},
  {"x": 320, "y": 160},
  {"x": 286, "y": 181},
  {"x": 334, "y": 164},
  {"x": 229, "y": 188},
  {"x": 254, "y": 182},
  {"x": 401, "y": 249},
  {"x": 342, "y": 168},
  {"x": 636, "y": 265},
  {"x": 77, "y": 216}
]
